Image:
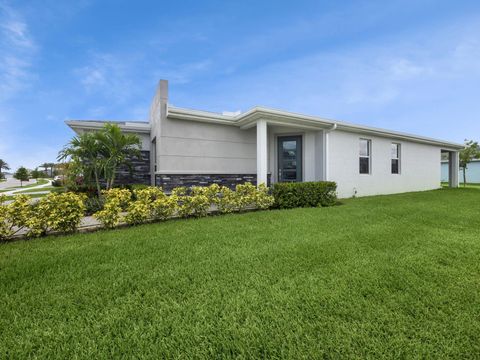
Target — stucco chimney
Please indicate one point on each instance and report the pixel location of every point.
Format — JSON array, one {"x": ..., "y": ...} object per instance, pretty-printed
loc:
[{"x": 163, "y": 95}]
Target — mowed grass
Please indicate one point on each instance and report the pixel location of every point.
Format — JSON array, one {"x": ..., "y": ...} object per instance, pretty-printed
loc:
[{"x": 379, "y": 277}]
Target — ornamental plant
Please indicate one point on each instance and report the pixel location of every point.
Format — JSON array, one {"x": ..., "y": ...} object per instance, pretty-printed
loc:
[
  {"x": 262, "y": 199},
  {"x": 116, "y": 201},
  {"x": 143, "y": 208},
  {"x": 164, "y": 206},
  {"x": 56, "y": 212},
  {"x": 226, "y": 201},
  {"x": 13, "y": 216},
  {"x": 245, "y": 194},
  {"x": 196, "y": 204}
]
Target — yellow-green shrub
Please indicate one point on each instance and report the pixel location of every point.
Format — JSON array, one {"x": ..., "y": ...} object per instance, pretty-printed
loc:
[
  {"x": 227, "y": 200},
  {"x": 263, "y": 200},
  {"x": 121, "y": 196},
  {"x": 14, "y": 216},
  {"x": 197, "y": 204},
  {"x": 249, "y": 196},
  {"x": 142, "y": 209},
  {"x": 116, "y": 200},
  {"x": 56, "y": 212},
  {"x": 164, "y": 207},
  {"x": 110, "y": 215}
]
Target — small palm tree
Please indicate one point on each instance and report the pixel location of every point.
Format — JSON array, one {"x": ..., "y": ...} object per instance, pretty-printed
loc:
[
  {"x": 51, "y": 166},
  {"x": 85, "y": 150},
  {"x": 100, "y": 153},
  {"x": 3, "y": 166},
  {"x": 116, "y": 149}
]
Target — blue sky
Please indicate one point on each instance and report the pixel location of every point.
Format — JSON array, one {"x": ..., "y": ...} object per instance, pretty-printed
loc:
[{"x": 403, "y": 65}]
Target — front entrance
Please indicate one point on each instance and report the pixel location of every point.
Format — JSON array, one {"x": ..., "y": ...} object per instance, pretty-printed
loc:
[{"x": 289, "y": 158}]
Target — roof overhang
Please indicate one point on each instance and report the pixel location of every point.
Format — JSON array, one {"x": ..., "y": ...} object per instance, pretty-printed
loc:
[
  {"x": 249, "y": 119},
  {"x": 126, "y": 126}
]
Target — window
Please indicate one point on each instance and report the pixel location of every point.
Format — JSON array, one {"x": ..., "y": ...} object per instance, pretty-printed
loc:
[
  {"x": 395, "y": 158},
  {"x": 365, "y": 149}
]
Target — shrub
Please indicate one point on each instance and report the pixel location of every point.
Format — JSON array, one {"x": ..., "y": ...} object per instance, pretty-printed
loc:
[
  {"x": 196, "y": 204},
  {"x": 142, "y": 209},
  {"x": 14, "y": 216},
  {"x": 249, "y": 196},
  {"x": 226, "y": 201},
  {"x": 120, "y": 196},
  {"x": 116, "y": 200},
  {"x": 262, "y": 199},
  {"x": 306, "y": 194},
  {"x": 56, "y": 212},
  {"x": 164, "y": 206},
  {"x": 138, "y": 212},
  {"x": 93, "y": 204}
]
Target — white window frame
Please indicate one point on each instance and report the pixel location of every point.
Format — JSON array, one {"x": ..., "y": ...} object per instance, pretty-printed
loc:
[
  {"x": 398, "y": 158},
  {"x": 369, "y": 156}
]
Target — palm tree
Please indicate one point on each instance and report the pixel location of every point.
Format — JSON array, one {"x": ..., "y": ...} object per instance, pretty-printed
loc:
[
  {"x": 51, "y": 166},
  {"x": 45, "y": 166},
  {"x": 101, "y": 153},
  {"x": 85, "y": 150},
  {"x": 3, "y": 166},
  {"x": 116, "y": 148}
]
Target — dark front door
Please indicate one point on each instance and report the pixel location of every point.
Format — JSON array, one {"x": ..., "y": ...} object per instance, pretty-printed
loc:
[{"x": 289, "y": 158}]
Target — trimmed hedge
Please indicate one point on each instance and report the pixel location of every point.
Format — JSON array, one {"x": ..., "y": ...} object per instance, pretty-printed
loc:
[{"x": 304, "y": 194}]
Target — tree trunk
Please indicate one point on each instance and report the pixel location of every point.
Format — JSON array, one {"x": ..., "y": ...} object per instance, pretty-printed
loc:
[
  {"x": 97, "y": 183},
  {"x": 464, "y": 176}
]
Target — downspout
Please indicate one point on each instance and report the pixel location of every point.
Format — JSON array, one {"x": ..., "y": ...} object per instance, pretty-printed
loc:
[{"x": 326, "y": 156}]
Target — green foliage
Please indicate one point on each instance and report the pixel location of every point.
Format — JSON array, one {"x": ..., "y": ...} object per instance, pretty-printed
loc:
[
  {"x": 164, "y": 207},
  {"x": 226, "y": 200},
  {"x": 93, "y": 204},
  {"x": 196, "y": 204},
  {"x": 62, "y": 212},
  {"x": 56, "y": 212},
  {"x": 35, "y": 174},
  {"x": 470, "y": 152},
  {"x": 21, "y": 174},
  {"x": 116, "y": 201},
  {"x": 14, "y": 216},
  {"x": 306, "y": 194},
  {"x": 3, "y": 166},
  {"x": 98, "y": 154},
  {"x": 143, "y": 209}
]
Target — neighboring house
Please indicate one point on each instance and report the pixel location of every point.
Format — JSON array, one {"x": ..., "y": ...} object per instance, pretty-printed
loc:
[
  {"x": 473, "y": 172},
  {"x": 182, "y": 147}
]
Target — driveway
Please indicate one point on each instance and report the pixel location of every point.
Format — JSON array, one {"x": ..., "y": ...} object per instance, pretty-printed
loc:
[{"x": 11, "y": 182}]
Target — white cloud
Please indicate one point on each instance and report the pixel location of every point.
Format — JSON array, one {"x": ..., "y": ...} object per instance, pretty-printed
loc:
[{"x": 17, "y": 49}]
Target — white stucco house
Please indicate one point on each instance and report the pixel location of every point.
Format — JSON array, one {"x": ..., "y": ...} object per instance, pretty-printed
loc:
[{"x": 192, "y": 147}]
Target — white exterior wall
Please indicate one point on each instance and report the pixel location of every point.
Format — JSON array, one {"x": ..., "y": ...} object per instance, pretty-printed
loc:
[
  {"x": 189, "y": 147},
  {"x": 419, "y": 166}
]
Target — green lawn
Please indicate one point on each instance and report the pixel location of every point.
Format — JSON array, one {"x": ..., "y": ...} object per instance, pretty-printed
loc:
[{"x": 387, "y": 276}]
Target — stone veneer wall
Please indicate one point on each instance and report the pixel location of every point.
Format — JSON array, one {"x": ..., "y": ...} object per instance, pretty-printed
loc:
[
  {"x": 137, "y": 173},
  {"x": 171, "y": 181}
]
